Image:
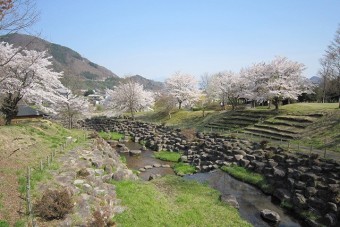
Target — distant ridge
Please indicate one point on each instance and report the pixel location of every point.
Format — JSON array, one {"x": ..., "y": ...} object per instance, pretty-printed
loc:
[{"x": 79, "y": 72}]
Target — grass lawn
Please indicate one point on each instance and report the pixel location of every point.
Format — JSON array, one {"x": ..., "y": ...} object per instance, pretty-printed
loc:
[
  {"x": 183, "y": 168},
  {"x": 173, "y": 201},
  {"x": 247, "y": 176},
  {"x": 110, "y": 135},
  {"x": 168, "y": 156}
]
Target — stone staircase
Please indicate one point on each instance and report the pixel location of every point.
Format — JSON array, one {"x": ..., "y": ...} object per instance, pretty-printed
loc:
[
  {"x": 236, "y": 120},
  {"x": 283, "y": 127}
]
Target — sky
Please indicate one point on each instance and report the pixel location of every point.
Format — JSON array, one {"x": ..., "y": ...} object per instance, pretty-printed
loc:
[{"x": 156, "y": 38}]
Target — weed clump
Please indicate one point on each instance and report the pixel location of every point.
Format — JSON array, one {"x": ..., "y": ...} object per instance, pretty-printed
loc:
[
  {"x": 101, "y": 220},
  {"x": 54, "y": 204}
]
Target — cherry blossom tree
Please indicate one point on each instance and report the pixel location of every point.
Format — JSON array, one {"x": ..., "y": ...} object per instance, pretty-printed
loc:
[
  {"x": 184, "y": 88},
  {"x": 27, "y": 76},
  {"x": 285, "y": 80},
  {"x": 74, "y": 107},
  {"x": 129, "y": 96}
]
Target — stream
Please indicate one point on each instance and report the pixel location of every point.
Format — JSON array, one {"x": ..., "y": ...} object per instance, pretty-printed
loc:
[{"x": 250, "y": 199}]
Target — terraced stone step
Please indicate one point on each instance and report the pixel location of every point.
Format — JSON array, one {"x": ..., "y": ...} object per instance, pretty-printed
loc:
[
  {"x": 242, "y": 118},
  {"x": 291, "y": 130},
  {"x": 272, "y": 133},
  {"x": 285, "y": 123},
  {"x": 266, "y": 136},
  {"x": 303, "y": 119}
]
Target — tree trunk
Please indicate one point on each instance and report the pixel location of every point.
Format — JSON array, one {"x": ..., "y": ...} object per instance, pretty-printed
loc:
[
  {"x": 10, "y": 107},
  {"x": 276, "y": 103},
  {"x": 179, "y": 104}
]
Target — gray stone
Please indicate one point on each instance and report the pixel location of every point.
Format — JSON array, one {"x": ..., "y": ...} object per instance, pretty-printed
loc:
[
  {"x": 78, "y": 182},
  {"x": 244, "y": 162},
  {"x": 269, "y": 215},
  {"x": 166, "y": 166},
  {"x": 157, "y": 165},
  {"x": 135, "y": 152},
  {"x": 330, "y": 219},
  {"x": 238, "y": 157},
  {"x": 141, "y": 169},
  {"x": 148, "y": 167},
  {"x": 231, "y": 200}
]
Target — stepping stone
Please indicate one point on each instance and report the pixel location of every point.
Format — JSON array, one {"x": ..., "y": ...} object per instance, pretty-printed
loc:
[
  {"x": 148, "y": 167},
  {"x": 157, "y": 165},
  {"x": 166, "y": 166},
  {"x": 141, "y": 169},
  {"x": 135, "y": 152}
]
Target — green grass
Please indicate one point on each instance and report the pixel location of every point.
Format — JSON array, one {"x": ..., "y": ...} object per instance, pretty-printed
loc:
[
  {"x": 307, "y": 108},
  {"x": 4, "y": 223},
  {"x": 248, "y": 176},
  {"x": 183, "y": 168},
  {"x": 168, "y": 156},
  {"x": 111, "y": 135},
  {"x": 173, "y": 201}
]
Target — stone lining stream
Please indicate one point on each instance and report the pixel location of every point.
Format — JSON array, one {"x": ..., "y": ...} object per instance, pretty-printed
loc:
[{"x": 251, "y": 200}]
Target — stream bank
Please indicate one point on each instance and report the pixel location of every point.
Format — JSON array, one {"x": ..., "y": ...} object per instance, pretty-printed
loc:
[{"x": 307, "y": 184}]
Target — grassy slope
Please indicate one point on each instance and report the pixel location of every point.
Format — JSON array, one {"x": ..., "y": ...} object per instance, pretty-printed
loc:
[
  {"x": 25, "y": 145},
  {"x": 172, "y": 201}
]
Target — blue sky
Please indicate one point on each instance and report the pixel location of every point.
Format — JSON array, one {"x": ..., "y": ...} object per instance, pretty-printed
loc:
[{"x": 156, "y": 38}]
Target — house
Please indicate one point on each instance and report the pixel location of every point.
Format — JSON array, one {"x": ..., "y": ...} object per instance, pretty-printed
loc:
[{"x": 28, "y": 112}]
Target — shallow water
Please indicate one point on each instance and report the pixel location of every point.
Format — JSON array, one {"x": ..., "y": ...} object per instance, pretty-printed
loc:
[
  {"x": 250, "y": 199},
  {"x": 146, "y": 158}
]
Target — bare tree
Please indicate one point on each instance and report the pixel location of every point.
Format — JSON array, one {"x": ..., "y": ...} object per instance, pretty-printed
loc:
[
  {"x": 17, "y": 15},
  {"x": 332, "y": 59}
]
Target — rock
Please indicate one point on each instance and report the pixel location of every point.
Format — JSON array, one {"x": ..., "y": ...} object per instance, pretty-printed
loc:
[
  {"x": 135, "y": 152},
  {"x": 141, "y": 169},
  {"x": 166, "y": 166},
  {"x": 330, "y": 219},
  {"x": 184, "y": 158},
  {"x": 148, "y": 167},
  {"x": 269, "y": 215},
  {"x": 244, "y": 162},
  {"x": 299, "y": 200},
  {"x": 238, "y": 157},
  {"x": 231, "y": 200},
  {"x": 78, "y": 182},
  {"x": 124, "y": 174},
  {"x": 281, "y": 194},
  {"x": 99, "y": 172}
]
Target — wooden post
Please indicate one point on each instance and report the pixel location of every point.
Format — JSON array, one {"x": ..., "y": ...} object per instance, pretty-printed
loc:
[
  {"x": 41, "y": 165},
  {"x": 48, "y": 161},
  {"x": 28, "y": 188}
]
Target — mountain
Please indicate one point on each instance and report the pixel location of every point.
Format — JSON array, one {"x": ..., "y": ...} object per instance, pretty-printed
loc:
[
  {"x": 148, "y": 84},
  {"x": 79, "y": 72},
  {"x": 315, "y": 80}
]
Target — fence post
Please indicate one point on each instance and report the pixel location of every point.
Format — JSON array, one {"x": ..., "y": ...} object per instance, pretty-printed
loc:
[
  {"x": 298, "y": 146},
  {"x": 41, "y": 165},
  {"x": 28, "y": 196}
]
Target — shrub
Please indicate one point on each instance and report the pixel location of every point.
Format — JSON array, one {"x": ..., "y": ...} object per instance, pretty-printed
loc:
[
  {"x": 54, "y": 204},
  {"x": 101, "y": 219}
]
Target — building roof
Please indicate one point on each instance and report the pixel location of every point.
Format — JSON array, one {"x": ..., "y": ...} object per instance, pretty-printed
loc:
[{"x": 25, "y": 111}]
